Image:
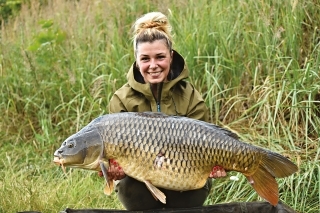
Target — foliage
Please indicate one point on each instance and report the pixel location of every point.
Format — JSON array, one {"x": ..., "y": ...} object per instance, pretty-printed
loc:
[
  {"x": 9, "y": 8},
  {"x": 256, "y": 63}
]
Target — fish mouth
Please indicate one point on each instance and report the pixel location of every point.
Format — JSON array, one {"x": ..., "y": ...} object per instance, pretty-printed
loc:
[
  {"x": 57, "y": 160},
  {"x": 60, "y": 162}
]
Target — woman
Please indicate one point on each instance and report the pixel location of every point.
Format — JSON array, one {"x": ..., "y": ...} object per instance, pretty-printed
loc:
[
  {"x": 156, "y": 83},
  {"x": 155, "y": 80}
]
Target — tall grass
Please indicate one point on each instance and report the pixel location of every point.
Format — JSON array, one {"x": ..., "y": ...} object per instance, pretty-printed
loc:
[{"x": 256, "y": 63}]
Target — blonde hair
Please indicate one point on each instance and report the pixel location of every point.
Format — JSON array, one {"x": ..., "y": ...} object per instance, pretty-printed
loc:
[{"x": 150, "y": 27}]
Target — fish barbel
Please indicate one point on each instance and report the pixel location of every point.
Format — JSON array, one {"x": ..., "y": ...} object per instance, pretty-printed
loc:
[{"x": 171, "y": 152}]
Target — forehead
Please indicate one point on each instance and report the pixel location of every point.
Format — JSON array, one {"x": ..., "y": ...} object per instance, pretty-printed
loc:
[{"x": 152, "y": 48}]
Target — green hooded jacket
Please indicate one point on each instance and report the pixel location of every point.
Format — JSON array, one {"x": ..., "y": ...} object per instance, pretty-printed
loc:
[{"x": 177, "y": 96}]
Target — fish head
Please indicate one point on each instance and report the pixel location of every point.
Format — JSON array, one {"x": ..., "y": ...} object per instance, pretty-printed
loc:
[{"x": 81, "y": 150}]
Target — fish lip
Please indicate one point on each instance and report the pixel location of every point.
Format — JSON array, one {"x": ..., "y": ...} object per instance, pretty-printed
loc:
[{"x": 57, "y": 160}]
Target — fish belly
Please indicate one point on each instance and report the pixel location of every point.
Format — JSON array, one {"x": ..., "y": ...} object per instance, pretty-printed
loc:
[{"x": 166, "y": 175}]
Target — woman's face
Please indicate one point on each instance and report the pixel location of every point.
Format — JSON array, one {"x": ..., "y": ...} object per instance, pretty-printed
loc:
[{"x": 154, "y": 60}]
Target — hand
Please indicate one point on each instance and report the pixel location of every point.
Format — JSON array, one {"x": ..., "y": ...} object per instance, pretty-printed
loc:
[
  {"x": 114, "y": 172},
  {"x": 217, "y": 172}
]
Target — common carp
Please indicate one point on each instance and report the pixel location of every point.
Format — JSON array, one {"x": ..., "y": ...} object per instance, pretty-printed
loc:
[{"x": 171, "y": 152}]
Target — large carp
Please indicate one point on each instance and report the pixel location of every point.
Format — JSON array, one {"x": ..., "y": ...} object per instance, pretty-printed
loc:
[{"x": 172, "y": 152}]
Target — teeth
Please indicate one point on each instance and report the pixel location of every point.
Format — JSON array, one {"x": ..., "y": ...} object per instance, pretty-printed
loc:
[{"x": 154, "y": 73}]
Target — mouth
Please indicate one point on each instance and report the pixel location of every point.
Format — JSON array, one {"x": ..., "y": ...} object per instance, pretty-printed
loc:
[
  {"x": 59, "y": 162},
  {"x": 155, "y": 74}
]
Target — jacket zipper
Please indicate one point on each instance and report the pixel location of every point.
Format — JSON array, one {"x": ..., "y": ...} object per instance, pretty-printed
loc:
[{"x": 159, "y": 90}]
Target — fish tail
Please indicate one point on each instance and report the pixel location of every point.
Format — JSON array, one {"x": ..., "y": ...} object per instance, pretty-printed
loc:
[
  {"x": 272, "y": 165},
  {"x": 278, "y": 165},
  {"x": 265, "y": 185}
]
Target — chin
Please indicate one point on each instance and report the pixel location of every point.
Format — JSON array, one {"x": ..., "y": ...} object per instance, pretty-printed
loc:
[{"x": 155, "y": 82}]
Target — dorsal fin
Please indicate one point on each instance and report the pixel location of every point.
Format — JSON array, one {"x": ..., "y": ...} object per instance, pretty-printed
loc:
[{"x": 223, "y": 130}]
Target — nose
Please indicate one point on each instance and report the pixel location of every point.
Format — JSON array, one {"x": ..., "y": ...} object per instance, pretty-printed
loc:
[
  {"x": 58, "y": 152},
  {"x": 153, "y": 64}
]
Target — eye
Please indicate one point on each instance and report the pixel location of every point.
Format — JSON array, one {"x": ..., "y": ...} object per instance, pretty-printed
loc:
[{"x": 70, "y": 145}]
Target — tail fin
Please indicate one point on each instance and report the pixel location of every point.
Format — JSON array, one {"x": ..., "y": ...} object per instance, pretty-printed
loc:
[
  {"x": 278, "y": 165},
  {"x": 265, "y": 185},
  {"x": 272, "y": 166}
]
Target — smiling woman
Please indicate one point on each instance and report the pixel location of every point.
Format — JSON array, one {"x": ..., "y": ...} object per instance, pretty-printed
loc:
[
  {"x": 156, "y": 82},
  {"x": 156, "y": 79}
]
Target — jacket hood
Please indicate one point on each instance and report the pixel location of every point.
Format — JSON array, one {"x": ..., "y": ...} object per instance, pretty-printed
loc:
[{"x": 178, "y": 72}]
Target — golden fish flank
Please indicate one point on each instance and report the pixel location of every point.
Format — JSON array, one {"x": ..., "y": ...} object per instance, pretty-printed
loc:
[{"x": 176, "y": 153}]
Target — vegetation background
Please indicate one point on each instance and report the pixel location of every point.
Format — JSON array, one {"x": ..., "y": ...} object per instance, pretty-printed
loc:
[{"x": 255, "y": 61}]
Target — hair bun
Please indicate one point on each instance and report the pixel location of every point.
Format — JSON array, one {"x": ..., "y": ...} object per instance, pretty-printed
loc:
[
  {"x": 152, "y": 20},
  {"x": 150, "y": 27},
  {"x": 153, "y": 24}
]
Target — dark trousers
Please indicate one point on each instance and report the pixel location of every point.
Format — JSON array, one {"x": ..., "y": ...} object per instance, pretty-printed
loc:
[{"x": 134, "y": 195}]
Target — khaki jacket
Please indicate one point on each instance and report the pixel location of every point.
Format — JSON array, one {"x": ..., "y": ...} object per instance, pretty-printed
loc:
[{"x": 177, "y": 96}]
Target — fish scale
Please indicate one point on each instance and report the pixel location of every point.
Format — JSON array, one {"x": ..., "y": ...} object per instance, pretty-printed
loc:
[{"x": 172, "y": 152}]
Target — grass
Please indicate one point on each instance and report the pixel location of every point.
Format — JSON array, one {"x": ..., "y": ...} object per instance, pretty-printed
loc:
[{"x": 255, "y": 62}]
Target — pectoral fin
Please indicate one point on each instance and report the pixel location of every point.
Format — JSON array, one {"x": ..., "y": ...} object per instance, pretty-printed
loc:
[
  {"x": 109, "y": 183},
  {"x": 108, "y": 188},
  {"x": 157, "y": 194}
]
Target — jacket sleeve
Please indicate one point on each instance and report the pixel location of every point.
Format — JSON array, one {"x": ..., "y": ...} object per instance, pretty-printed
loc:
[{"x": 197, "y": 108}]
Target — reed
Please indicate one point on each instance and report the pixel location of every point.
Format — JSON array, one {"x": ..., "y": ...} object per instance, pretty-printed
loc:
[{"x": 256, "y": 63}]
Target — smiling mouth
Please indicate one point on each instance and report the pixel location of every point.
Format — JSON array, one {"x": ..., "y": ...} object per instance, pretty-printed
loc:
[{"x": 155, "y": 74}]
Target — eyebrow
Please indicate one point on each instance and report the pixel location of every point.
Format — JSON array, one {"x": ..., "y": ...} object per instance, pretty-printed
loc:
[{"x": 143, "y": 55}]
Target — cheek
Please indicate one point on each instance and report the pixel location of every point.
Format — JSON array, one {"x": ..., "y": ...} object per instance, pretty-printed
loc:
[
  {"x": 143, "y": 67},
  {"x": 165, "y": 65}
]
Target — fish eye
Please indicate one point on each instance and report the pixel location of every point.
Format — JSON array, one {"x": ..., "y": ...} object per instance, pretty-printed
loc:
[{"x": 70, "y": 145}]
